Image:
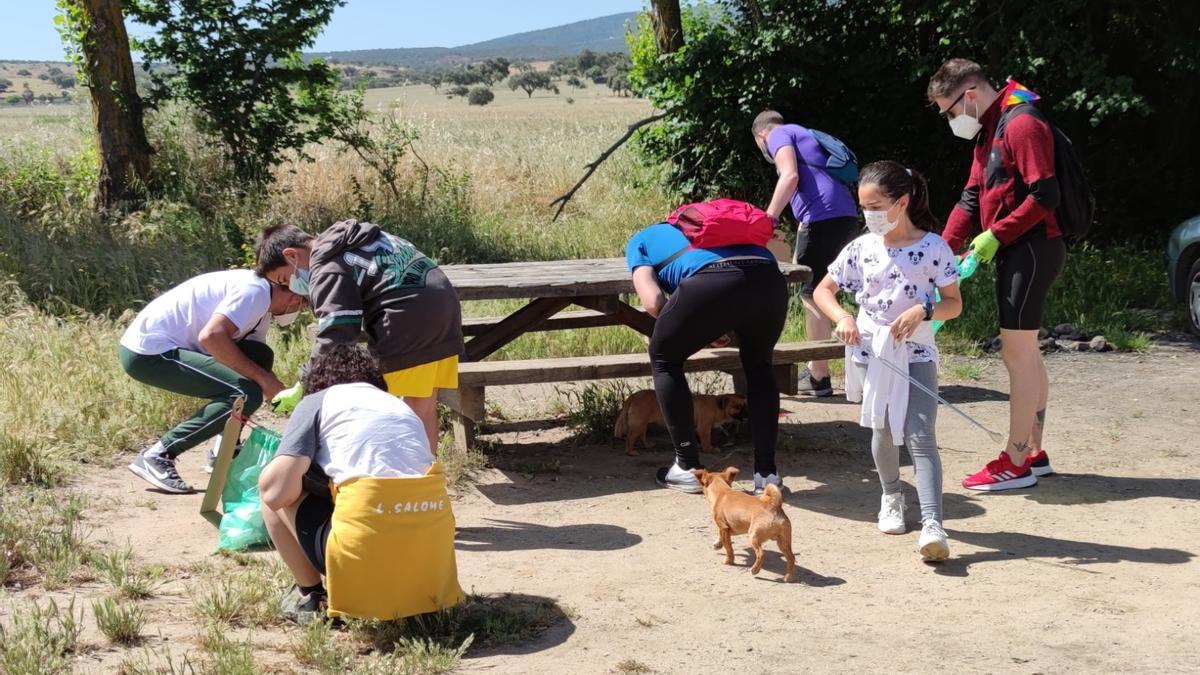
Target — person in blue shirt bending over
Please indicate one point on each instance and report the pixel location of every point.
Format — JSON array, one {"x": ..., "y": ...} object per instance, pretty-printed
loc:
[{"x": 714, "y": 292}]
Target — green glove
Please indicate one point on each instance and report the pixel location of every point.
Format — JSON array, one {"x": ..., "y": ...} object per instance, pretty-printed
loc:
[
  {"x": 286, "y": 400},
  {"x": 985, "y": 246}
]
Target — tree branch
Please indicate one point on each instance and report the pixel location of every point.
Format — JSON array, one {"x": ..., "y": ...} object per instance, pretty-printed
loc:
[{"x": 595, "y": 164}]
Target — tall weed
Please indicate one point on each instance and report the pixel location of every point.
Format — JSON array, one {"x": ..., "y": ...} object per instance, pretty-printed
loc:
[{"x": 40, "y": 639}]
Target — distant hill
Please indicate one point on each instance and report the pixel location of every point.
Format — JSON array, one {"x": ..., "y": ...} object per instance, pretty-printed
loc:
[{"x": 603, "y": 34}]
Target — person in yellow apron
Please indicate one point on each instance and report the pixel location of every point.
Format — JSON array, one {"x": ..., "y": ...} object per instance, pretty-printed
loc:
[{"x": 355, "y": 495}]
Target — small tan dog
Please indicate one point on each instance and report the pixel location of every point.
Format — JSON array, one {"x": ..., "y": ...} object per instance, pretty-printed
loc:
[
  {"x": 736, "y": 512},
  {"x": 641, "y": 410}
]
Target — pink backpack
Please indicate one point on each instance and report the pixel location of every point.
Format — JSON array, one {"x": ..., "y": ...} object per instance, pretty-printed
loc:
[{"x": 722, "y": 222}]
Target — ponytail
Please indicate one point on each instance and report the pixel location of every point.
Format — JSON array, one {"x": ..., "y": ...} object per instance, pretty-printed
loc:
[
  {"x": 918, "y": 204},
  {"x": 895, "y": 181}
]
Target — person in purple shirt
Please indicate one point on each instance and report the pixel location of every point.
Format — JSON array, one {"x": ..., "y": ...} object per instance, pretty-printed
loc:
[{"x": 825, "y": 211}]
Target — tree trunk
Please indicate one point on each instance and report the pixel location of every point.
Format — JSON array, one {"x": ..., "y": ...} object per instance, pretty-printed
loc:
[
  {"x": 116, "y": 106},
  {"x": 668, "y": 25}
]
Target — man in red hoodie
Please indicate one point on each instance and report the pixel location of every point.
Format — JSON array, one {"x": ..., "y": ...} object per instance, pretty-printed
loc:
[{"x": 1010, "y": 196}]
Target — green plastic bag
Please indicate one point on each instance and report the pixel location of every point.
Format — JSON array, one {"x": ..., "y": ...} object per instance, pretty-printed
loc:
[{"x": 242, "y": 523}]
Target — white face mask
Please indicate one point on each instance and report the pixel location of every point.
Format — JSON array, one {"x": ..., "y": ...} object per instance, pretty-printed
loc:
[
  {"x": 288, "y": 319},
  {"x": 965, "y": 126},
  {"x": 878, "y": 223}
]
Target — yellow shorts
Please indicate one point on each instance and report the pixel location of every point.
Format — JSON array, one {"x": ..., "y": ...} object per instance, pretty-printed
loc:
[{"x": 420, "y": 381}]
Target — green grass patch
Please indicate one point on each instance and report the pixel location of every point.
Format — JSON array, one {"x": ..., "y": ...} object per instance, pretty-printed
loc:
[
  {"x": 246, "y": 598},
  {"x": 41, "y": 538},
  {"x": 632, "y": 667},
  {"x": 1102, "y": 291},
  {"x": 592, "y": 408},
  {"x": 118, "y": 569},
  {"x": 40, "y": 639},
  {"x": 120, "y": 621}
]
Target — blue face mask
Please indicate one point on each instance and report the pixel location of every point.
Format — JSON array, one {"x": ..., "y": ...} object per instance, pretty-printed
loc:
[{"x": 298, "y": 283}]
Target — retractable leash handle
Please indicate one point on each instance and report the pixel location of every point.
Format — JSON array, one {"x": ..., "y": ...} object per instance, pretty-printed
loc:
[
  {"x": 967, "y": 265},
  {"x": 996, "y": 437}
]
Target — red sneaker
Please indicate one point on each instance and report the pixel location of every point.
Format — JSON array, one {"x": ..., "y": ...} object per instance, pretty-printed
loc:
[
  {"x": 1039, "y": 463},
  {"x": 1001, "y": 474}
]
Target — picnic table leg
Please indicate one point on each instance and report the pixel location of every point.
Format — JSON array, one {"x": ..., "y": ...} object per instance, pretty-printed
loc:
[
  {"x": 466, "y": 404},
  {"x": 788, "y": 377}
]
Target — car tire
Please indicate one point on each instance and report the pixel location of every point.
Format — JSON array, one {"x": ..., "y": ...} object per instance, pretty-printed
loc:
[{"x": 1192, "y": 296}]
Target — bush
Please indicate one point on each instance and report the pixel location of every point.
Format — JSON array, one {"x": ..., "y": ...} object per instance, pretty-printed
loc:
[
  {"x": 40, "y": 638},
  {"x": 806, "y": 60},
  {"x": 457, "y": 90},
  {"x": 480, "y": 96},
  {"x": 1084, "y": 295},
  {"x": 121, "y": 622}
]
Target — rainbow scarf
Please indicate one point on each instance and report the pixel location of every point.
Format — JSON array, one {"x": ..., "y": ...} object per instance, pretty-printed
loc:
[{"x": 1018, "y": 93}]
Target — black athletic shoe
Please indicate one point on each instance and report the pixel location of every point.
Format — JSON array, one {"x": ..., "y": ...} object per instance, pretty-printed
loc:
[
  {"x": 303, "y": 609},
  {"x": 811, "y": 386},
  {"x": 160, "y": 472},
  {"x": 1040, "y": 463}
]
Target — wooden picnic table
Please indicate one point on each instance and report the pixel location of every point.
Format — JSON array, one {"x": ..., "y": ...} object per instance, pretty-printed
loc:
[
  {"x": 551, "y": 287},
  {"x": 595, "y": 284}
]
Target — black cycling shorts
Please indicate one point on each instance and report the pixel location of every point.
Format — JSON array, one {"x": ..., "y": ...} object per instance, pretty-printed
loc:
[
  {"x": 1025, "y": 271},
  {"x": 818, "y": 245},
  {"x": 314, "y": 516}
]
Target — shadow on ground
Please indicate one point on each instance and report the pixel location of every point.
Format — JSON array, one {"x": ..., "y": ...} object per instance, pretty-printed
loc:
[
  {"x": 1086, "y": 488},
  {"x": 1059, "y": 552},
  {"x": 511, "y": 535}
]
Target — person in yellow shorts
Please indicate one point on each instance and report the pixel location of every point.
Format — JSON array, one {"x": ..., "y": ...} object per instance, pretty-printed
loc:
[
  {"x": 360, "y": 279},
  {"x": 354, "y": 494}
]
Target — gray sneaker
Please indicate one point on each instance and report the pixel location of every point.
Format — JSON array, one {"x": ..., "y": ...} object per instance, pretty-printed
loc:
[
  {"x": 808, "y": 385},
  {"x": 160, "y": 472},
  {"x": 303, "y": 609}
]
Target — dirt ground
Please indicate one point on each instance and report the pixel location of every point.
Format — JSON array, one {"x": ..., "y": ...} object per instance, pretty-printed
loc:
[{"x": 1092, "y": 570}]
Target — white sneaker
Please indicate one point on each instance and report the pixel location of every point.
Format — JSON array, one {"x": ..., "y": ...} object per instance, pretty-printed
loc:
[
  {"x": 933, "y": 543},
  {"x": 760, "y": 482},
  {"x": 676, "y": 478},
  {"x": 891, "y": 514}
]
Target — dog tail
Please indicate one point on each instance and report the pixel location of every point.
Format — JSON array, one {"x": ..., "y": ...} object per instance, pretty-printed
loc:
[
  {"x": 621, "y": 428},
  {"x": 772, "y": 497}
]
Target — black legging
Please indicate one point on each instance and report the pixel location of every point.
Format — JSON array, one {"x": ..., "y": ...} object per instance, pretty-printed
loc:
[{"x": 751, "y": 302}]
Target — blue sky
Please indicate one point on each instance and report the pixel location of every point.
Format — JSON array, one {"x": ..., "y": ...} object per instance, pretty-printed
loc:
[{"x": 27, "y": 26}]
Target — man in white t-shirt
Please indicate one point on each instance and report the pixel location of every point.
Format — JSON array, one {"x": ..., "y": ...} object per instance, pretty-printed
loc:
[{"x": 205, "y": 338}]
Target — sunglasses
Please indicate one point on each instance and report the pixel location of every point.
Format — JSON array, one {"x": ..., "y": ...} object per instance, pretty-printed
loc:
[{"x": 945, "y": 114}]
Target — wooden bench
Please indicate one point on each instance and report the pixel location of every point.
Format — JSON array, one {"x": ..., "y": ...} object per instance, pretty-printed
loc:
[{"x": 467, "y": 402}]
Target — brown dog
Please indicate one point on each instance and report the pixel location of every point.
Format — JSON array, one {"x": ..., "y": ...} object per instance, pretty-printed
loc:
[
  {"x": 736, "y": 512},
  {"x": 641, "y": 410}
]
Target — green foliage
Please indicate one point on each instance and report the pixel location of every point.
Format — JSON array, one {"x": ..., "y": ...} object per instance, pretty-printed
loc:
[
  {"x": 530, "y": 81},
  {"x": 40, "y": 536},
  {"x": 859, "y": 70},
  {"x": 459, "y": 90},
  {"x": 238, "y": 64},
  {"x": 593, "y": 408},
  {"x": 1098, "y": 292},
  {"x": 121, "y": 622},
  {"x": 118, "y": 569},
  {"x": 40, "y": 639},
  {"x": 480, "y": 96}
]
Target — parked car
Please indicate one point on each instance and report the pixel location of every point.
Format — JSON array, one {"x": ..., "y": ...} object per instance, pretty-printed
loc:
[{"x": 1183, "y": 268}]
